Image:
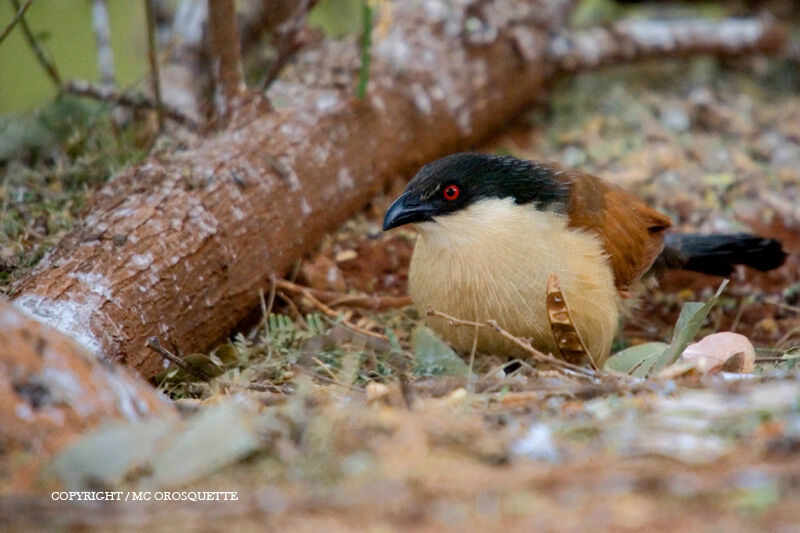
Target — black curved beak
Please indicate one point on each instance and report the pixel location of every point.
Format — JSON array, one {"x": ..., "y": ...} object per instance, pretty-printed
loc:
[{"x": 406, "y": 210}]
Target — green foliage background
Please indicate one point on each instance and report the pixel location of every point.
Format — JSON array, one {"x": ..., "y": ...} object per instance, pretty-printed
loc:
[{"x": 65, "y": 29}]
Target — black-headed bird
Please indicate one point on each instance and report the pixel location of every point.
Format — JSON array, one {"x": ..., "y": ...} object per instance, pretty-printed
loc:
[{"x": 492, "y": 229}]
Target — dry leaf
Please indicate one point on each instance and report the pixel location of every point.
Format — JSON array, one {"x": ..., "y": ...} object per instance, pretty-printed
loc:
[
  {"x": 323, "y": 274},
  {"x": 729, "y": 351}
]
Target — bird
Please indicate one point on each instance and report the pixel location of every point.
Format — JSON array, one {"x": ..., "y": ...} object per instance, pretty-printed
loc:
[{"x": 493, "y": 229}]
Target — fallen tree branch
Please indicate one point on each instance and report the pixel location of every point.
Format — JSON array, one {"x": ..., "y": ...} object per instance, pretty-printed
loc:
[
  {"x": 180, "y": 245},
  {"x": 632, "y": 40},
  {"x": 51, "y": 390}
]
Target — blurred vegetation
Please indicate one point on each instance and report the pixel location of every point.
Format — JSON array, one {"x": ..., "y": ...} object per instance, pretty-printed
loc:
[
  {"x": 50, "y": 160},
  {"x": 64, "y": 27}
]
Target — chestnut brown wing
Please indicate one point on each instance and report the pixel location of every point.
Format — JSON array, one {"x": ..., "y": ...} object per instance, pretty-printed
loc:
[{"x": 631, "y": 231}]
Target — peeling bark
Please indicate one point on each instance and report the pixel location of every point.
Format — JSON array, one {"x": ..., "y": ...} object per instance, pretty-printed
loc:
[
  {"x": 178, "y": 247},
  {"x": 51, "y": 389}
]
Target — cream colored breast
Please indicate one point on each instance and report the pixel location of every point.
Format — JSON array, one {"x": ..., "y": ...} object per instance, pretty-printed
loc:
[{"x": 492, "y": 260}]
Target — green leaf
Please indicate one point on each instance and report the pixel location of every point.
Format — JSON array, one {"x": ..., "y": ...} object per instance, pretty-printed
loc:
[
  {"x": 433, "y": 356},
  {"x": 337, "y": 18},
  {"x": 636, "y": 360},
  {"x": 215, "y": 437},
  {"x": 689, "y": 322},
  {"x": 104, "y": 457}
]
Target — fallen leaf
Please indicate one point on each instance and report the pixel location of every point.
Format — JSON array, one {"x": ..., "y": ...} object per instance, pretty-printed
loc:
[
  {"x": 636, "y": 360},
  {"x": 729, "y": 351},
  {"x": 691, "y": 318},
  {"x": 433, "y": 356}
]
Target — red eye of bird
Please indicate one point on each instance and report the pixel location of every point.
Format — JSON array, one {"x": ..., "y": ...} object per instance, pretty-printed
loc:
[{"x": 451, "y": 192}]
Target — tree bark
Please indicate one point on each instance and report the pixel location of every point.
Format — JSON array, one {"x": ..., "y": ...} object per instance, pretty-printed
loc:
[
  {"x": 178, "y": 247},
  {"x": 51, "y": 389}
]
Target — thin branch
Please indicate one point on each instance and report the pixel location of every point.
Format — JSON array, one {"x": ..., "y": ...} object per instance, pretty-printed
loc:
[
  {"x": 535, "y": 354},
  {"x": 284, "y": 20},
  {"x": 285, "y": 53},
  {"x": 292, "y": 287},
  {"x": 102, "y": 36},
  {"x": 41, "y": 56},
  {"x": 632, "y": 40},
  {"x": 20, "y": 12},
  {"x": 361, "y": 301},
  {"x": 226, "y": 57},
  {"x": 134, "y": 101},
  {"x": 152, "y": 57},
  {"x": 155, "y": 345}
]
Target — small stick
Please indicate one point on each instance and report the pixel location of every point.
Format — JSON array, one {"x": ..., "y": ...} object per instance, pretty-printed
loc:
[
  {"x": 325, "y": 368},
  {"x": 533, "y": 352},
  {"x": 783, "y": 306},
  {"x": 361, "y": 301},
  {"x": 293, "y": 287},
  {"x": 771, "y": 359},
  {"x": 41, "y": 56},
  {"x": 155, "y": 345},
  {"x": 20, "y": 12},
  {"x": 134, "y": 101},
  {"x": 470, "y": 386}
]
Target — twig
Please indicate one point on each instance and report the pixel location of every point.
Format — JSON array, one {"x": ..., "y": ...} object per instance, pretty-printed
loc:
[
  {"x": 362, "y": 301},
  {"x": 284, "y": 55},
  {"x": 771, "y": 359},
  {"x": 292, "y": 307},
  {"x": 470, "y": 385},
  {"x": 102, "y": 37},
  {"x": 304, "y": 291},
  {"x": 41, "y": 56},
  {"x": 155, "y": 345},
  {"x": 526, "y": 346},
  {"x": 783, "y": 305},
  {"x": 152, "y": 57},
  {"x": 284, "y": 20},
  {"x": 333, "y": 381},
  {"x": 325, "y": 368},
  {"x": 20, "y": 12},
  {"x": 135, "y": 101}
]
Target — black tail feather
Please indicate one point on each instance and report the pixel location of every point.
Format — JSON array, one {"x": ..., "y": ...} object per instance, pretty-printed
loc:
[{"x": 719, "y": 254}]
